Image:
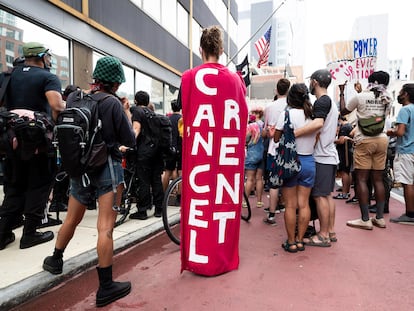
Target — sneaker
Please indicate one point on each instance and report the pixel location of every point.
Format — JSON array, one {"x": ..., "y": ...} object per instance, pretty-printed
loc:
[
  {"x": 360, "y": 224},
  {"x": 270, "y": 221},
  {"x": 53, "y": 265},
  {"x": 139, "y": 215},
  {"x": 403, "y": 219},
  {"x": 266, "y": 210},
  {"x": 380, "y": 223},
  {"x": 280, "y": 208},
  {"x": 352, "y": 200},
  {"x": 342, "y": 196}
]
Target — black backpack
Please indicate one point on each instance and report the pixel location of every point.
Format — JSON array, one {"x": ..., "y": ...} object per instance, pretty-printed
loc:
[
  {"x": 156, "y": 137},
  {"x": 23, "y": 132},
  {"x": 78, "y": 137}
]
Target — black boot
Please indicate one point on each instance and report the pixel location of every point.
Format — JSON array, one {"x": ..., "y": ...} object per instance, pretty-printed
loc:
[
  {"x": 31, "y": 237},
  {"x": 6, "y": 239},
  {"x": 110, "y": 291},
  {"x": 54, "y": 263}
]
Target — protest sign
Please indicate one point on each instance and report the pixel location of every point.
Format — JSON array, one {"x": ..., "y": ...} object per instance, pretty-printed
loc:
[
  {"x": 352, "y": 60},
  {"x": 215, "y": 120}
]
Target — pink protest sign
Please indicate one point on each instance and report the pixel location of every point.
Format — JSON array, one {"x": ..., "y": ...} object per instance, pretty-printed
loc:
[{"x": 215, "y": 119}]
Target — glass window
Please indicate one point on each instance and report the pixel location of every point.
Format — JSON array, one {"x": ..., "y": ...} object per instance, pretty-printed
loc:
[
  {"x": 169, "y": 15},
  {"x": 196, "y": 29},
  {"x": 142, "y": 82},
  {"x": 171, "y": 92},
  {"x": 182, "y": 24},
  {"x": 157, "y": 95},
  {"x": 153, "y": 87},
  {"x": 153, "y": 8},
  {"x": 15, "y": 31},
  {"x": 127, "y": 89},
  {"x": 9, "y": 46}
]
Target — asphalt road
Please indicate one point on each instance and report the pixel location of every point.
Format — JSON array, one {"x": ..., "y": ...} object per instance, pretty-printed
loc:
[{"x": 364, "y": 270}]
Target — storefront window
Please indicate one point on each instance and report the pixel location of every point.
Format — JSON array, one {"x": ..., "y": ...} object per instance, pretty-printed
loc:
[{"x": 16, "y": 31}]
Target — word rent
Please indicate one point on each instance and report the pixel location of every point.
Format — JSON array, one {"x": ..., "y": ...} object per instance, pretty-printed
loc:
[{"x": 222, "y": 183}]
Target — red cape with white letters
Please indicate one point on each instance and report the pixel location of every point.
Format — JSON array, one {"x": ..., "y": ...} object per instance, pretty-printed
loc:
[{"x": 215, "y": 118}]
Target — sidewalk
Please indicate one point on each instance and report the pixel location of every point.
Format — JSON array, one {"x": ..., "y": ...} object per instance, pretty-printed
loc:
[{"x": 22, "y": 276}]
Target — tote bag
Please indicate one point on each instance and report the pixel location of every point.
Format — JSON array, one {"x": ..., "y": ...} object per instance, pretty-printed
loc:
[{"x": 285, "y": 164}]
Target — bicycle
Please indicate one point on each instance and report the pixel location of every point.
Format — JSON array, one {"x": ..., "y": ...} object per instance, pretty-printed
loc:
[
  {"x": 171, "y": 210},
  {"x": 129, "y": 194}
]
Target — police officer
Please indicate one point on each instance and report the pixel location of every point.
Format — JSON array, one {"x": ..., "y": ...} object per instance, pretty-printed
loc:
[{"x": 27, "y": 182}]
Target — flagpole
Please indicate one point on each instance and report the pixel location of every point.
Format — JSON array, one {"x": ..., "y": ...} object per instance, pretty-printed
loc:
[{"x": 264, "y": 23}]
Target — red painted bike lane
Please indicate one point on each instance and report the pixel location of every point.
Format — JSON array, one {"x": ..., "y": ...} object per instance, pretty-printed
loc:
[{"x": 364, "y": 270}]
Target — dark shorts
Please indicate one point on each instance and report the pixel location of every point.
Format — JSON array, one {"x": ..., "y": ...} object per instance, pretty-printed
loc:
[
  {"x": 324, "y": 180},
  {"x": 174, "y": 162},
  {"x": 345, "y": 159},
  {"x": 100, "y": 183}
]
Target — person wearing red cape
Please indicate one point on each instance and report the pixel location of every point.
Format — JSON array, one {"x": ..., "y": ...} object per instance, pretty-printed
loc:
[{"x": 215, "y": 117}]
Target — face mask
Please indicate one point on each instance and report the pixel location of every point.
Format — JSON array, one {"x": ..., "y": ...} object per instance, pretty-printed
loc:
[
  {"x": 311, "y": 88},
  {"x": 400, "y": 99}
]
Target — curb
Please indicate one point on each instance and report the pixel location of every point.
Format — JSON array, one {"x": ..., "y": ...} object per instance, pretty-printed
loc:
[{"x": 41, "y": 282}]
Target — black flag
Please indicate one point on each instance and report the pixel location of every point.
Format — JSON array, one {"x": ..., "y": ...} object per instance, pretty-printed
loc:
[{"x": 244, "y": 69}]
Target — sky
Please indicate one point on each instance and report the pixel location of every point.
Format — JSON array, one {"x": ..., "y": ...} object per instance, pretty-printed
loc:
[
  {"x": 335, "y": 18},
  {"x": 332, "y": 20}
]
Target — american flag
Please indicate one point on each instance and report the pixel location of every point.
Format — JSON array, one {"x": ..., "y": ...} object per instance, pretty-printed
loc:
[{"x": 263, "y": 47}]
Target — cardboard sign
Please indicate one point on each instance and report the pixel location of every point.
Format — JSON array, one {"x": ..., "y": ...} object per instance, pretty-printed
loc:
[
  {"x": 353, "y": 60},
  {"x": 215, "y": 120}
]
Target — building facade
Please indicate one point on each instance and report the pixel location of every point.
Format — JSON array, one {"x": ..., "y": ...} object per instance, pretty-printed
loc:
[{"x": 156, "y": 40}]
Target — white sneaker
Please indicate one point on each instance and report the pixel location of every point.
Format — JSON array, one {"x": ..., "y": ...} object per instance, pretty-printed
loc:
[
  {"x": 360, "y": 224},
  {"x": 380, "y": 223}
]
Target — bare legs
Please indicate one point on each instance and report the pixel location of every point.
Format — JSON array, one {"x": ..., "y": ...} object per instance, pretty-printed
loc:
[{"x": 296, "y": 199}]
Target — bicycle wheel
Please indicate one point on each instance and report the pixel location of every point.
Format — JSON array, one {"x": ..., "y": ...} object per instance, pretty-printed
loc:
[
  {"x": 171, "y": 210},
  {"x": 246, "y": 212}
]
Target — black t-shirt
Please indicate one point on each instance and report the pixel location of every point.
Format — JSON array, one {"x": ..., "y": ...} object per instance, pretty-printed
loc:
[
  {"x": 138, "y": 115},
  {"x": 176, "y": 138},
  {"x": 322, "y": 107},
  {"x": 28, "y": 86}
]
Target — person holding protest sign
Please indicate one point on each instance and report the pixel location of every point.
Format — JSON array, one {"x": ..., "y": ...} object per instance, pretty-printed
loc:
[
  {"x": 215, "y": 117},
  {"x": 371, "y": 143}
]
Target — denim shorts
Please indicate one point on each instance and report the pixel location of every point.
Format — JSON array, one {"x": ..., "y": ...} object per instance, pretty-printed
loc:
[
  {"x": 100, "y": 183},
  {"x": 306, "y": 176}
]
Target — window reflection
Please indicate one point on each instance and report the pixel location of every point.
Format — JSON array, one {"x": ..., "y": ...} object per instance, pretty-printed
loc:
[
  {"x": 171, "y": 93},
  {"x": 15, "y": 31}
]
